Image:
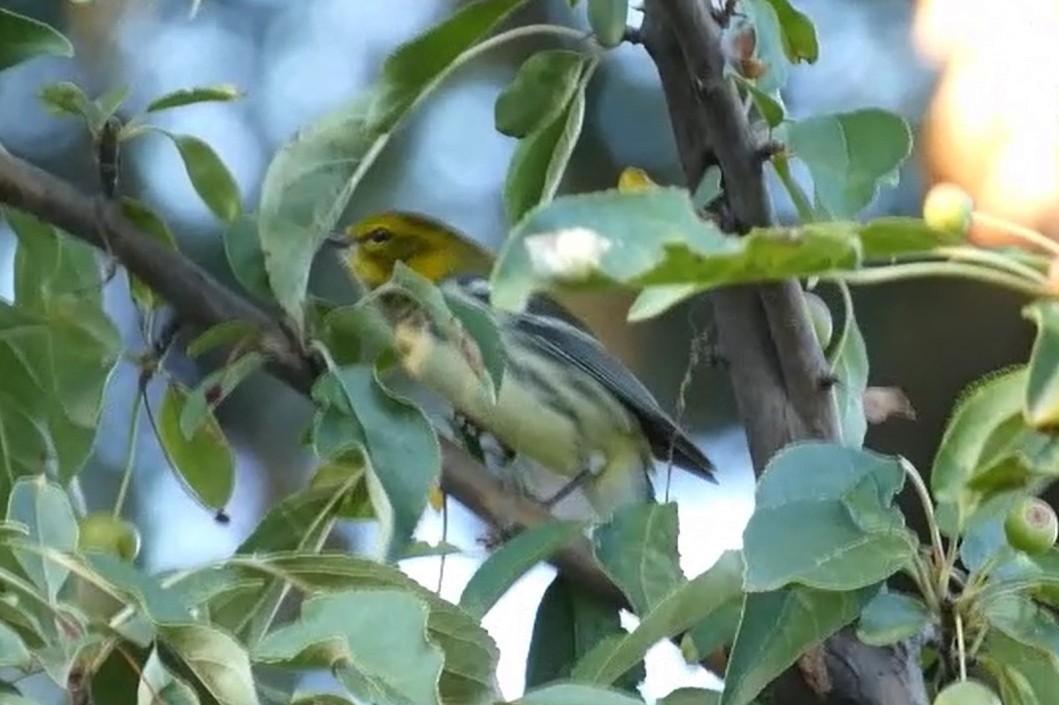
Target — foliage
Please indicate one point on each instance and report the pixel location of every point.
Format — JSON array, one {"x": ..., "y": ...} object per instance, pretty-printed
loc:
[{"x": 215, "y": 633}]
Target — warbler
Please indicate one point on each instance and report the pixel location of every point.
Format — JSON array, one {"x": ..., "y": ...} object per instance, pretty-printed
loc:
[{"x": 567, "y": 414}]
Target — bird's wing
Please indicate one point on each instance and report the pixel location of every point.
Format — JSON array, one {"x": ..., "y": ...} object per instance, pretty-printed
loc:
[{"x": 557, "y": 333}]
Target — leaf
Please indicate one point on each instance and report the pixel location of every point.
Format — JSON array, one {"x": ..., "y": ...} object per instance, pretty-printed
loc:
[
  {"x": 309, "y": 182},
  {"x": 891, "y": 236},
  {"x": 778, "y": 627},
  {"x": 226, "y": 333},
  {"x": 1042, "y": 386},
  {"x": 799, "y": 34},
  {"x": 714, "y": 631},
  {"x": 570, "y": 622},
  {"x": 1033, "y": 670},
  {"x": 219, "y": 93},
  {"x": 58, "y": 348},
  {"x": 511, "y": 561},
  {"x": 540, "y": 92},
  {"x": 214, "y": 389},
  {"x": 402, "y": 447},
  {"x": 682, "y": 608},
  {"x": 160, "y": 687},
  {"x": 850, "y": 155},
  {"x": 607, "y": 19},
  {"x": 13, "y": 652},
  {"x": 150, "y": 223},
  {"x": 470, "y": 653},
  {"x": 769, "y": 44},
  {"x": 770, "y": 106},
  {"x": 22, "y": 38},
  {"x": 849, "y": 535},
  {"x": 203, "y": 462},
  {"x": 540, "y": 160},
  {"x": 66, "y": 98},
  {"x": 1021, "y": 619},
  {"x": 654, "y": 237},
  {"x": 691, "y": 696},
  {"x": 377, "y": 639},
  {"x": 891, "y": 617},
  {"x": 575, "y": 694},
  {"x": 209, "y": 176},
  {"x": 982, "y": 407},
  {"x": 479, "y": 321},
  {"x": 637, "y": 548},
  {"x": 42, "y": 506},
  {"x": 242, "y": 247},
  {"x": 218, "y": 662},
  {"x": 709, "y": 188},
  {"x": 851, "y": 372}
]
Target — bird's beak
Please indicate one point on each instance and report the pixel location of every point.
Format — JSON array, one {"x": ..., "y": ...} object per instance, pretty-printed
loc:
[{"x": 339, "y": 241}]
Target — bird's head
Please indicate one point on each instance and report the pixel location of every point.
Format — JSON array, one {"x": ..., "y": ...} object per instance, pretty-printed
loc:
[{"x": 374, "y": 245}]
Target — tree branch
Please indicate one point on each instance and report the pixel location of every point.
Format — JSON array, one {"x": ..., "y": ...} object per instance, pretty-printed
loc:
[
  {"x": 777, "y": 368},
  {"x": 199, "y": 302}
]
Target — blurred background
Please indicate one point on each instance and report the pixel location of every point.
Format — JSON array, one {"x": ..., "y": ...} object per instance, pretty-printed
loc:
[{"x": 976, "y": 80}]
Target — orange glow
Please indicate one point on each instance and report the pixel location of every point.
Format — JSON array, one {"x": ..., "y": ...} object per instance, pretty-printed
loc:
[{"x": 993, "y": 124}]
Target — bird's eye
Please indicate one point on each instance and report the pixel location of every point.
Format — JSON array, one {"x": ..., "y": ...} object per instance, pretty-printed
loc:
[{"x": 379, "y": 235}]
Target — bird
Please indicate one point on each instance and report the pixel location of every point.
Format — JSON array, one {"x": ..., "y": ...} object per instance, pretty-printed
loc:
[{"x": 568, "y": 419}]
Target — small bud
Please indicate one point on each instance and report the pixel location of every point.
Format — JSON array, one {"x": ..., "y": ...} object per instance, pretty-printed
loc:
[{"x": 948, "y": 208}]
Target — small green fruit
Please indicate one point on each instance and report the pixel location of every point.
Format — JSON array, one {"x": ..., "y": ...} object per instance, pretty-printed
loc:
[
  {"x": 967, "y": 692},
  {"x": 1031, "y": 526},
  {"x": 820, "y": 317},
  {"x": 104, "y": 532},
  {"x": 948, "y": 208}
]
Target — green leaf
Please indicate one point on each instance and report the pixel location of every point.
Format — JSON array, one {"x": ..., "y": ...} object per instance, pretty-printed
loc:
[
  {"x": 1021, "y": 619},
  {"x": 402, "y": 447},
  {"x": 637, "y": 548},
  {"x": 1025, "y": 669},
  {"x": 108, "y": 103},
  {"x": 691, "y": 696},
  {"x": 716, "y": 630},
  {"x": 220, "y": 93},
  {"x": 22, "y": 38},
  {"x": 769, "y": 45},
  {"x": 891, "y": 617},
  {"x": 311, "y": 179},
  {"x": 216, "y": 660},
  {"x": 654, "y": 237},
  {"x": 891, "y": 236},
  {"x": 377, "y": 639},
  {"x": 982, "y": 407},
  {"x": 607, "y": 19},
  {"x": 226, "y": 333},
  {"x": 214, "y": 389},
  {"x": 539, "y": 93},
  {"x": 798, "y": 33},
  {"x": 849, "y": 535},
  {"x": 570, "y": 622},
  {"x": 13, "y": 651},
  {"x": 58, "y": 348},
  {"x": 850, "y": 155},
  {"x": 677, "y": 612},
  {"x": 769, "y": 105},
  {"x": 203, "y": 462},
  {"x": 850, "y": 364},
  {"x": 42, "y": 506},
  {"x": 1042, "y": 387},
  {"x": 66, "y": 98},
  {"x": 242, "y": 247},
  {"x": 778, "y": 627},
  {"x": 575, "y": 694},
  {"x": 209, "y": 176},
  {"x": 511, "y": 561},
  {"x": 152, "y": 224},
  {"x": 709, "y": 188},
  {"x": 540, "y": 160},
  {"x": 470, "y": 654},
  {"x": 479, "y": 321},
  {"x": 160, "y": 687}
]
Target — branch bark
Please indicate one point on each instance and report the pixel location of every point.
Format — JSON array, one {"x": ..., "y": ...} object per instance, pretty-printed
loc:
[{"x": 778, "y": 371}]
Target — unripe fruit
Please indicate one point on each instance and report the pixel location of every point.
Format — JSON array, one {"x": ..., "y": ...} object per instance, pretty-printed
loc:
[
  {"x": 1031, "y": 526},
  {"x": 820, "y": 317},
  {"x": 104, "y": 532},
  {"x": 967, "y": 692},
  {"x": 948, "y": 208}
]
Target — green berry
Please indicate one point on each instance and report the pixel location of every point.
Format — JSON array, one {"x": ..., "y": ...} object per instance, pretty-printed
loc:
[
  {"x": 1031, "y": 526},
  {"x": 967, "y": 692},
  {"x": 104, "y": 532},
  {"x": 820, "y": 317},
  {"x": 948, "y": 208}
]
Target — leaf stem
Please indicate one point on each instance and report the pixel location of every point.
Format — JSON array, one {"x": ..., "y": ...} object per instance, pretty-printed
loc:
[
  {"x": 130, "y": 453},
  {"x": 781, "y": 165},
  {"x": 1028, "y": 235},
  {"x": 928, "y": 507},
  {"x": 912, "y": 270},
  {"x": 993, "y": 259},
  {"x": 961, "y": 649}
]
